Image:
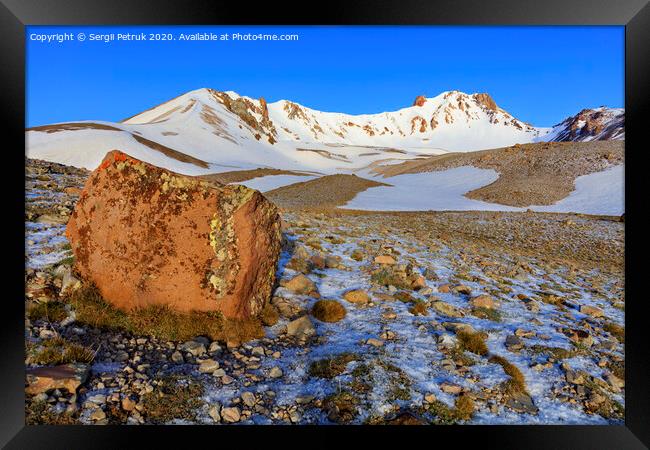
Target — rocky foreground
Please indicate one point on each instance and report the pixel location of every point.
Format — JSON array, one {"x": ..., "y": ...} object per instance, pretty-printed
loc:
[{"x": 400, "y": 318}]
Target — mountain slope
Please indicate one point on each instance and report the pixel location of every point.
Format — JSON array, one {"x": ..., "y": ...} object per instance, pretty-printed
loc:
[
  {"x": 598, "y": 124},
  {"x": 207, "y": 131}
]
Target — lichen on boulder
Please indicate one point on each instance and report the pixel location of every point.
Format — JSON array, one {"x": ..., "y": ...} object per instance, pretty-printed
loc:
[{"x": 145, "y": 236}]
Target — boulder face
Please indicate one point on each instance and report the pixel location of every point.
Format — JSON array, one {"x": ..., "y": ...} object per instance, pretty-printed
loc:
[{"x": 148, "y": 236}]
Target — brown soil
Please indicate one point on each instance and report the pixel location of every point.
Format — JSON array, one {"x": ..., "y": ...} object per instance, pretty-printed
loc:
[
  {"x": 170, "y": 152},
  {"x": 529, "y": 174},
  {"x": 72, "y": 126},
  {"x": 328, "y": 191},
  {"x": 237, "y": 176}
]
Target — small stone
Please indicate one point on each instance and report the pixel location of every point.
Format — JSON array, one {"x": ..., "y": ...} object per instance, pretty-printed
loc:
[
  {"x": 227, "y": 379},
  {"x": 214, "y": 413},
  {"x": 177, "y": 357},
  {"x": 450, "y": 388},
  {"x": 429, "y": 398},
  {"x": 513, "y": 342},
  {"x": 462, "y": 289},
  {"x": 208, "y": 366},
  {"x": 215, "y": 348},
  {"x": 231, "y": 415},
  {"x": 447, "y": 340},
  {"x": 301, "y": 327},
  {"x": 375, "y": 342},
  {"x": 300, "y": 284},
  {"x": 304, "y": 399},
  {"x": 357, "y": 296},
  {"x": 294, "y": 416},
  {"x": 483, "y": 301},
  {"x": 121, "y": 356},
  {"x": 520, "y": 332},
  {"x": 68, "y": 376},
  {"x": 193, "y": 347},
  {"x": 275, "y": 372},
  {"x": 248, "y": 398},
  {"x": 128, "y": 404},
  {"x": 385, "y": 259},
  {"x": 97, "y": 415},
  {"x": 592, "y": 311},
  {"x": 447, "y": 309}
]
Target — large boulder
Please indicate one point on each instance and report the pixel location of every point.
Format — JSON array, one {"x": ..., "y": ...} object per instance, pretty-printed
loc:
[{"x": 148, "y": 236}]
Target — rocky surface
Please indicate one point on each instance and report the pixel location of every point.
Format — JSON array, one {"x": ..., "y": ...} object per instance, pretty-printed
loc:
[
  {"x": 148, "y": 236},
  {"x": 511, "y": 318},
  {"x": 323, "y": 192},
  {"x": 529, "y": 174}
]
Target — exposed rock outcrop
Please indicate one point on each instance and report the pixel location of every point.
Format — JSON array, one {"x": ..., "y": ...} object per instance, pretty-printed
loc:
[
  {"x": 146, "y": 236},
  {"x": 419, "y": 100}
]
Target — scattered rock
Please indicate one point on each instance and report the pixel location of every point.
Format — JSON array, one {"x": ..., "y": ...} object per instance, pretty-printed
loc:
[
  {"x": 357, "y": 296},
  {"x": 592, "y": 311},
  {"x": 447, "y": 309},
  {"x": 301, "y": 328},
  {"x": 193, "y": 347},
  {"x": 208, "y": 366},
  {"x": 248, "y": 398},
  {"x": 67, "y": 376},
  {"x": 214, "y": 412},
  {"x": 231, "y": 415},
  {"x": 385, "y": 259},
  {"x": 300, "y": 284},
  {"x": 450, "y": 388},
  {"x": 483, "y": 301},
  {"x": 177, "y": 357}
]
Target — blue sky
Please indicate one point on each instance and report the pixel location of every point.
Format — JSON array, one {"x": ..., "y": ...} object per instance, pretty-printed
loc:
[{"x": 539, "y": 74}]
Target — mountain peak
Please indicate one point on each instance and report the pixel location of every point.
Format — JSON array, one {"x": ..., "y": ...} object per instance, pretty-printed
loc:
[{"x": 419, "y": 100}]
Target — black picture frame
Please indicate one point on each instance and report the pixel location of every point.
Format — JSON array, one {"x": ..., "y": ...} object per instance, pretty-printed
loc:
[{"x": 633, "y": 14}]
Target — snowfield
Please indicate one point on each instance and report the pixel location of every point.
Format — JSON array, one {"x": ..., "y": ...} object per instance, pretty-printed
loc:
[
  {"x": 270, "y": 182},
  {"x": 596, "y": 193},
  {"x": 438, "y": 191}
]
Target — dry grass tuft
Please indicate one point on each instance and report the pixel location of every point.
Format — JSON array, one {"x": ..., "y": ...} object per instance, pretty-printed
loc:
[
  {"x": 342, "y": 407},
  {"x": 57, "y": 351},
  {"x": 161, "y": 321},
  {"x": 39, "y": 413},
  {"x": 464, "y": 407},
  {"x": 517, "y": 383},
  {"x": 331, "y": 367},
  {"x": 49, "y": 311},
  {"x": 173, "y": 398},
  {"x": 472, "y": 342},
  {"x": 487, "y": 313},
  {"x": 328, "y": 311},
  {"x": 269, "y": 315}
]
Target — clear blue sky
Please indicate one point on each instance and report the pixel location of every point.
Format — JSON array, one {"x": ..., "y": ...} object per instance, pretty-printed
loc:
[{"x": 539, "y": 74}]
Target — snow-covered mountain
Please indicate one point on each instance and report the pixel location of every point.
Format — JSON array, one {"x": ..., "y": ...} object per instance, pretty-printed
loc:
[
  {"x": 591, "y": 125},
  {"x": 206, "y": 131}
]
